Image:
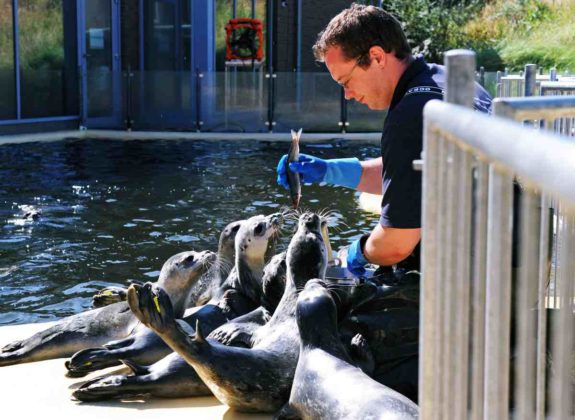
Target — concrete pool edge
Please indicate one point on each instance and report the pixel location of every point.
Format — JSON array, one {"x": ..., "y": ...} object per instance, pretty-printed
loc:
[
  {"x": 40, "y": 390},
  {"x": 177, "y": 135}
]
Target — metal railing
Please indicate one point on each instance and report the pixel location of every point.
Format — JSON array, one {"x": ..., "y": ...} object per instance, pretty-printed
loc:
[{"x": 484, "y": 351}]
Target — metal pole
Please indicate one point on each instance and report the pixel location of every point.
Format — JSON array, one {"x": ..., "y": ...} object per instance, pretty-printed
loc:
[
  {"x": 234, "y": 8},
  {"x": 343, "y": 111},
  {"x": 553, "y": 74},
  {"x": 460, "y": 89},
  {"x": 253, "y": 9},
  {"x": 478, "y": 291},
  {"x": 526, "y": 292},
  {"x": 498, "y": 297},
  {"x": 431, "y": 246},
  {"x": 270, "y": 57},
  {"x": 498, "y": 85},
  {"x": 16, "y": 51},
  {"x": 530, "y": 80},
  {"x": 562, "y": 333},
  {"x": 545, "y": 234}
]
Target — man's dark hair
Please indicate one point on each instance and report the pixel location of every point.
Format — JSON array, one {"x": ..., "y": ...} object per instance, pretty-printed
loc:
[{"x": 359, "y": 28}]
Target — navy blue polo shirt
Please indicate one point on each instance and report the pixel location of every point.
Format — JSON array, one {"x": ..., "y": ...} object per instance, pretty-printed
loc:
[{"x": 402, "y": 141}]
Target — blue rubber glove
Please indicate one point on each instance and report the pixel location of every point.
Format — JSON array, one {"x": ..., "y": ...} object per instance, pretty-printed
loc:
[
  {"x": 344, "y": 172},
  {"x": 356, "y": 261}
]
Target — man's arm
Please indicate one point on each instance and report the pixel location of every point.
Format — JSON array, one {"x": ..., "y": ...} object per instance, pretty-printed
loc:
[
  {"x": 370, "y": 181},
  {"x": 388, "y": 246}
]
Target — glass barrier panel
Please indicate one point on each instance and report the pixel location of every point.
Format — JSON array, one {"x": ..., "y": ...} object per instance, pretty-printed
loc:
[
  {"x": 41, "y": 39},
  {"x": 361, "y": 119},
  {"x": 234, "y": 100},
  {"x": 311, "y": 101},
  {"x": 161, "y": 100},
  {"x": 42, "y": 93},
  {"x": 7, "y": 79}
]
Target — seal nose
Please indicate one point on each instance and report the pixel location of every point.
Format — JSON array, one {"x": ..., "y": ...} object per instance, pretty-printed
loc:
[
  {"x": 311, "y": 221},
  {"x": 276, "y": 219}
]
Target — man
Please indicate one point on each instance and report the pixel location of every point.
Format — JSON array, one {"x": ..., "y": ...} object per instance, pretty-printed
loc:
[{"x": 366, "y": 52}]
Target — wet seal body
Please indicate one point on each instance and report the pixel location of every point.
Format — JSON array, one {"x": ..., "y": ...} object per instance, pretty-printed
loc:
[
  {"x": 143, "y": 346},
  {"x": 116, "y": 321},
  {"x": 202, "y": 290},
  {"x": 172, "y": 376},
  {"x": 247, "y": 379},
  {"x": 326, "y": 384}
]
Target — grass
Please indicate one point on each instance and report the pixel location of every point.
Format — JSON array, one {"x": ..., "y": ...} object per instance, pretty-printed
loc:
[
  {"x": 549, "y": 44},
  {"x": 504, "y": 33},
  {"x": 41, "y": 35},
  {"x": 514, "y": 33}
]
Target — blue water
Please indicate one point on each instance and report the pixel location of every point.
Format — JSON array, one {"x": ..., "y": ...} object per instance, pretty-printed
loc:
[{"x": 77, "y": 215}]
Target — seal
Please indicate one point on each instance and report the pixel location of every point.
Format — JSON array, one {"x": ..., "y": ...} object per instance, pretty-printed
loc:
[
  {"x": 202, "y": 290},
  {"x": 230, "y": 372},
  {"x": 239, "y": 294},
  {"x": 172, "y": 376},
  {"x": 326, "y": 384},
  {"x": 97, "y": 326}
]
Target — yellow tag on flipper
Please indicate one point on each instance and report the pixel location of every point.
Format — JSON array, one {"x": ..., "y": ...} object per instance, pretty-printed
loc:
[
  {"x": 106, "y": 293},
  {"x": 157, "y": 304}
]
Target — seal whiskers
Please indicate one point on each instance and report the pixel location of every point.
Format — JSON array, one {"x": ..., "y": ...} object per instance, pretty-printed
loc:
[{"x": 256, "y": 379}]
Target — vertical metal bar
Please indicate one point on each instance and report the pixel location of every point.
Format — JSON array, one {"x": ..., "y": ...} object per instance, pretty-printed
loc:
[
  {"x": 342, "y": 111},
  {"x": 449, "y": 284},
  {"x": 553, "y": 74},
  {"x": 16, "y": 35},
  {"x": 199, "y": 121},
  {"x": 428, "y": 348},
  {"x": 543, "y": 276},
  {"x": 270, "y": 67},
  {"x": 253, "y": 9},
  {"x": 562, "y": 349},
  {"x": 298, "y": 34},
  {"x": 234, "y": 8},
  {"x": 526, "y": 289},
  {"x": 478, "y": 291},
  {"x": 460, "y": 89},
  {"x": 462, "y": 284},
  {"x": 460, "y": 86},
  {"x": 498, "y": 85},
  {"x": 530, "y": 80},
  {"x": 482, "y": 76},
  {"x": 441, "y": 298},
  {"x": 498, "y": 296}
]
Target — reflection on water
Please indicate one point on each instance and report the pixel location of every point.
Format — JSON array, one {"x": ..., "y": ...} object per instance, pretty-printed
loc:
[{"x": 80, "y": 215}]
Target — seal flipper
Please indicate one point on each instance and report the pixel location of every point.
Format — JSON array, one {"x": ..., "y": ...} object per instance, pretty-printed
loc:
[
  {"x": 136, "y": 368},
  {"x": 92, "y": 359},
  {"x": 239, "y": 331},
  {"x": 361, "y": 354}
]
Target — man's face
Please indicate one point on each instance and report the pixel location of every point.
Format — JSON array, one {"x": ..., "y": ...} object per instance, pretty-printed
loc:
[{"x": 369, "y": 86}]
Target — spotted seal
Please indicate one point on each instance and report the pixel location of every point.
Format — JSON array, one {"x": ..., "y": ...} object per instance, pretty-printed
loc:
[
  {"x": 202, "y": 290},
  {"x": 326, "y": 383},
  {"x": 239, "y": 294},
  {"x": 172, "y": 376},
  {"x": 247, "y": 379},
  {"x": 97, "y": 326}
]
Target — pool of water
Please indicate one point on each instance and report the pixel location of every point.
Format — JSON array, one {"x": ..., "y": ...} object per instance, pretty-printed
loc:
[{"x": 77, "y": 215}]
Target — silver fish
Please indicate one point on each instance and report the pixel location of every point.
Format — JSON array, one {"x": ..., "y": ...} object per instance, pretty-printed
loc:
[{"x": 293, "y": 178}]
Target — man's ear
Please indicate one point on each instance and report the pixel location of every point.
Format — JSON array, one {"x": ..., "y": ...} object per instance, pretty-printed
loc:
[{"x": 377, "y": 54}]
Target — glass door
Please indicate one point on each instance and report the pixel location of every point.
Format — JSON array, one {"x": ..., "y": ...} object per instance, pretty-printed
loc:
[{"x": 99, "y": 55}]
